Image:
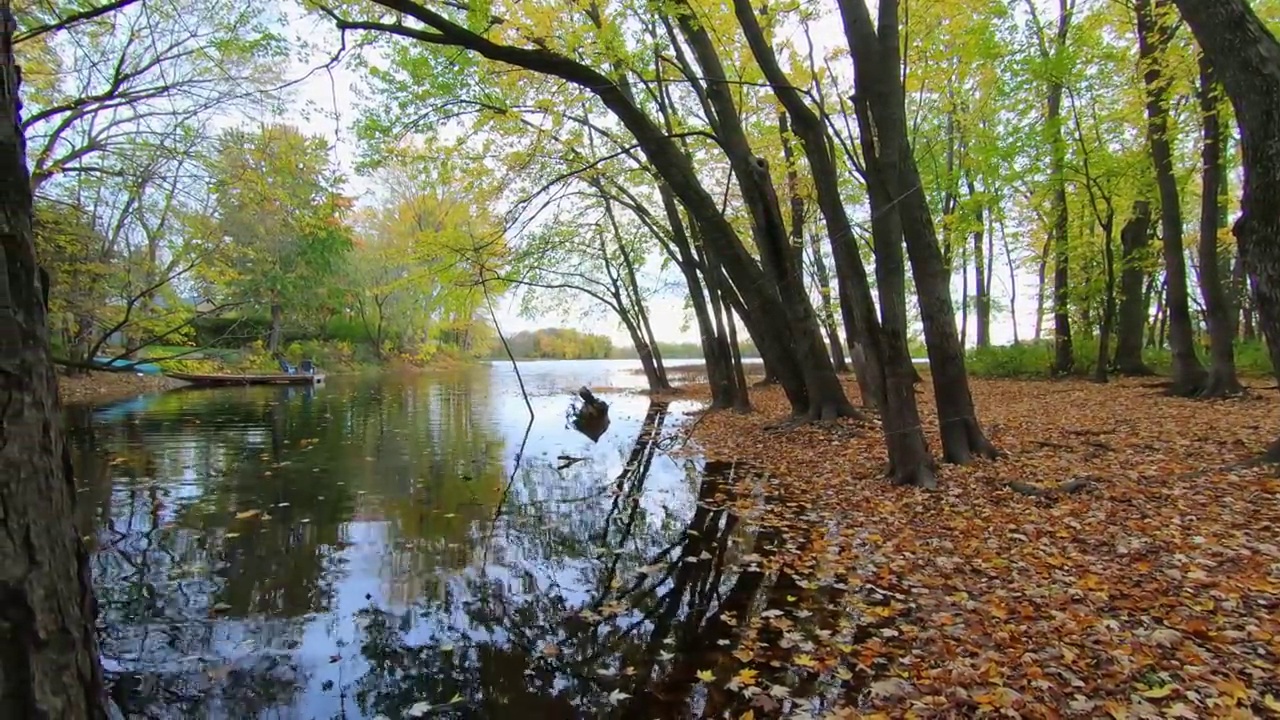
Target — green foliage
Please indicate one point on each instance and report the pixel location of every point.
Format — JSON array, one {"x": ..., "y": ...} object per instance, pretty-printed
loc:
[
  {"x": 1034, "y": 359},
  {"x": 556, "y": 344},
  {"x": 279, "y": 217}
]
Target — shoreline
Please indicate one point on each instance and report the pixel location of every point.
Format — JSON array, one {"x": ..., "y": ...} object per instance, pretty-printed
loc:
[{"x": 97, "y": 387}]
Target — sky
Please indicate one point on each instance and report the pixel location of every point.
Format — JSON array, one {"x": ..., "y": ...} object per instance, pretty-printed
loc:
[{"x": 322, "y": 93}]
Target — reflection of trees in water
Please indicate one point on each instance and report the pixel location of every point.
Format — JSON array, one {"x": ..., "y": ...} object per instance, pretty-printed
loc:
[
  {"x": 657, "y": 605},
  {"x": 201, "y": 612}
]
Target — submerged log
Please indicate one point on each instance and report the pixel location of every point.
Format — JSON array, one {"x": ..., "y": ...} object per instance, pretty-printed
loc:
[{"x": 591, "y": 418}]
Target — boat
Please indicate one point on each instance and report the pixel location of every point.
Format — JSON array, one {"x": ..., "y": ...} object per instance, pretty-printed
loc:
[{"x": 249, "y": 379}]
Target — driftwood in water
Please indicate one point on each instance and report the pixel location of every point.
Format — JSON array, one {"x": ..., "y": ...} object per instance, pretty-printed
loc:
[{"x": 591, "y": 418}]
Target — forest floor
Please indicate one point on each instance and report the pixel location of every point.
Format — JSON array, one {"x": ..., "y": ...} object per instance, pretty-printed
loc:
[
  {"x": 104, "y": 387},
  {"x": 1155, "y": 592}
]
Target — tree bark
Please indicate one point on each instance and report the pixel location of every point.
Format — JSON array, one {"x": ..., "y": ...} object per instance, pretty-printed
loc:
[
  {"x": 1131, "y": 324},
  {"x": 1109, "y": 300},
  {"x": 1155, "y": 31},
  {"x": 823, "y": 395},
  {"x": 1222, "y": 380},
  {"x": 49, "y": 664},
  {"x": 1246, "y": 58},
  {"x": 881, "y": 112},
  {"x": 858, "y": 309},
  {"x": 982, "y": 285},
  {"x": 1063, "y": 352},
  {"x": 277, "y": 324}
]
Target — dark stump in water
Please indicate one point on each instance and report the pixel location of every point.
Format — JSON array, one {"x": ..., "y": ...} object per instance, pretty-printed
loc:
[{"x": 591, "y": 418}]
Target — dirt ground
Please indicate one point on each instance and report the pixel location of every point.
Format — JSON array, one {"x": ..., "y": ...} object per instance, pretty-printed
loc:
[{"x": 103, "y": 387}]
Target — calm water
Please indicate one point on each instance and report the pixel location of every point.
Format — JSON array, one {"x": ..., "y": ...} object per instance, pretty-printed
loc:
[{"x": 374, "y": 546}]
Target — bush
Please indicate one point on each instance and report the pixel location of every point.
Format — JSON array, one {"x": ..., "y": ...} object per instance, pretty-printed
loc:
[{"x": 1034, "y": 359}]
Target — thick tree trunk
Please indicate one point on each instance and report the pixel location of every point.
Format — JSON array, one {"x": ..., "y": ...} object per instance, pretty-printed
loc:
[
  {"x": 49, "y": 665},
  {"x": 1131, "y": 324},
  {"x": 1222, "y": 381},
  {"x": 1246, "y": 59},
  {"x": 881, "y": 112},
  {"x": 1063, "y": 352},
  {"x": 1155, "y": 31}
]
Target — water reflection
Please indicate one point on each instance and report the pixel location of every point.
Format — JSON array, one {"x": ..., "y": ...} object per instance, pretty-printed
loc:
[{"x": 373, "y": 548}]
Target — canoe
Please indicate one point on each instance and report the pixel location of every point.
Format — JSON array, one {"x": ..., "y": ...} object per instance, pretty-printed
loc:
[{"x": 257, "y": 379}]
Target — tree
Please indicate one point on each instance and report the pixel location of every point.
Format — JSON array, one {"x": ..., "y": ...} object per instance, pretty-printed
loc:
[
  {"x": 1155, "y": 28},
  {"x": 49, "y": 665},
  {"x": 279, "y": 210},
  {"x": 1246, "y": 57}
]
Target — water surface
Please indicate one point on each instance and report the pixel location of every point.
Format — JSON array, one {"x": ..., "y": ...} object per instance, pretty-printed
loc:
[{"x": 411, "y": 546}]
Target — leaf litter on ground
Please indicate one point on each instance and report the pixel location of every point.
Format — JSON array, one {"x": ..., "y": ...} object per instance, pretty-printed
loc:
[{"x": 1156, "y": 592}]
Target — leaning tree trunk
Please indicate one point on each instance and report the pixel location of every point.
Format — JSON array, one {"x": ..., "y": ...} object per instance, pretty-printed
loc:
[
  {"x": 1155, "y": 31},
  {"x": 1131, "y": 323},
  {"x": 881, "y": 112},
  {"x": 49, "y": 665},
  {"x": 1246, "y": 58},
  {"x": 1218, "y": 310}
]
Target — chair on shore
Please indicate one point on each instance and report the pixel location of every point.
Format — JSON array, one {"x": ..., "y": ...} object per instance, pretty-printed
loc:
[
  {"x": 286, "y": 368},
  {"x": 307, "y": 367}
]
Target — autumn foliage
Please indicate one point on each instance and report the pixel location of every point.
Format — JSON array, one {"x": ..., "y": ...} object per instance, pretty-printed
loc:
[{"x": 1154, "y": 591}]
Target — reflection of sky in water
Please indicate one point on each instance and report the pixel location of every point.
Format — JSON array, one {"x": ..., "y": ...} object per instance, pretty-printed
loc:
[{"x": 179, "y": 575}]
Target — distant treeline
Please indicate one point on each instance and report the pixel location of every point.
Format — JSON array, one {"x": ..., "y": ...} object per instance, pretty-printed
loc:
[
  {"x": 556, "y": 344},
  {"x": 569, "y": 344},
  {"x": 674, "y": 351}
]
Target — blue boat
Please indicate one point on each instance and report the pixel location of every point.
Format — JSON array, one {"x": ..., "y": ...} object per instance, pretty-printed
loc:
[{"x": 145, "y": 368}]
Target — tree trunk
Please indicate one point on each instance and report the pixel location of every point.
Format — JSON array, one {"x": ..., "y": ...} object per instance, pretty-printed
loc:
[
  {"x": 1109, "y": 300},
  {"x": 826, "y": 318},
  {"x": 1063, "y": 352},
  {"x": 981, "y": 287},
  {"x": 881, "y": 112},
  {"x": 857, "y": 307},
  {"x": 1041, "y": 288},
  {"x": 277, "y": 321},
  {"x": 820, "y": 393},
  {"x": 1246, "y": 59},
  {"x": 1155, "y": 31},
  {"x": 49, "y": 664},
  {"x": 1132, "y": 321},
  {"x": 1222, "y": 380}
]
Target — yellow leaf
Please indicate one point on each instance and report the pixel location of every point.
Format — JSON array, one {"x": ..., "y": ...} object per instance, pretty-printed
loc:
[
  {"x": 1159, "y": 692},
  {"x": 706, "y": 675},
  {"x": 844, "y": 674},
  {"x": 746, "y": 676},
  {"x": 804, "y": 661},
  {"x": 247, "y": 514},
  {"x": 1272, "y": 703},
  {"x": 748, "y": 715},
  {"x": 1116, "y": 710}
]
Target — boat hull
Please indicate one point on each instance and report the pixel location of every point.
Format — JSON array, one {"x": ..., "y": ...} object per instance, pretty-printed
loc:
[{"x": 255, "y": 379}]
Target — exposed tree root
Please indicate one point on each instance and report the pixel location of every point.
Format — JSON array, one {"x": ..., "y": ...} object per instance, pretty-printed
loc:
[
  {"x": 920, "y": 475},
  {"x": 1221, "y": 386},
  {"x": 1063, "y": 488},
  {"x": 963, "y": 442}
]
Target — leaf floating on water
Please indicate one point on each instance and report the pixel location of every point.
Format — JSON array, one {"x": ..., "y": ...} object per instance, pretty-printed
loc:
[
  {"x": 550, "y": 650},
  {"x": 449, "y": 515},
  {"x": 446, "y": 648},
  {"x": 617, "y": 696},
  {"x": 706, "y": 675},
  {"x": 418, "y": 709},
  {"x": 246, "y": 514},
  {"x": 221, "y": 607},
  {"x": 231, "y": 535}
]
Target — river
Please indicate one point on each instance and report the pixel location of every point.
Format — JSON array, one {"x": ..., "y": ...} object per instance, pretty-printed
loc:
[{"x": 410, "y": 545}]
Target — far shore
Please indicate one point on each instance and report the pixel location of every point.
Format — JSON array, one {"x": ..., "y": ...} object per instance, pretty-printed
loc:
[{"x": 103, "y": 387}]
